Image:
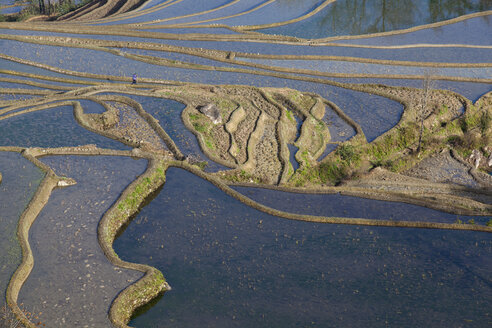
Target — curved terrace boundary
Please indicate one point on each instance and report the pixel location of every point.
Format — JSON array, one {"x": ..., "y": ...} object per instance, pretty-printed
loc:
[
  {"x": 153, "y": 283},
  {"x": 259, "y": 69}
]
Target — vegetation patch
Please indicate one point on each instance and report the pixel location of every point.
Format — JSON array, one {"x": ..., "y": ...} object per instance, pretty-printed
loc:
[
  {"x": 127, "y": 206},
  {"x": 132, "y": 200}
]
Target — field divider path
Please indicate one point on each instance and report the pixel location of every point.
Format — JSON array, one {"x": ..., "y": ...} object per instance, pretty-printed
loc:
[
  {"x": 127, "y": 206},
  {"x": 261, "y": 5},
  {"x": 351, "y": 191},
  {"x": 237, "y": 116},
  {"x": 253, "y": 140},
  {"x": 290, "y": 21},
  {"x": 185, "y": 116},
  {"x": 35, "y": 206},
  {"x": 157, "y": 21}
]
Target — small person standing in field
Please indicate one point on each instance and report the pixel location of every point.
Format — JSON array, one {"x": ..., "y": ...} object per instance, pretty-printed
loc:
[{"x": 134, "y": 78}]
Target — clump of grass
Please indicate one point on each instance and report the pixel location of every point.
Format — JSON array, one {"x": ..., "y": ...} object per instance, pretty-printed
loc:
[
  {"x": 240, "y": 176},
  {"x": 383, "y": 149},
  {"x": 225, "y": 106},
  {"x": 348, "y": 154},
  {"x": 331, "y": 172},
  {"x": 485, "y": 122},
  {"x": 396, "y": 165},
  {"x": 406, "y": 136},
  {"x": 443, "y": 110},
  {"x": 344, "y": 162},
  {"x": 139, "y": 294},
  {"x": 290, "y": 116},
  {"x": 203, "y": 127},
  {"x": 193, "y": 117},
  {"x": 131, "y": 203},
  {"x": 209, "y": 143},
  {"x": 199, "y": 127},
  {"x": 8, "y": 319}
]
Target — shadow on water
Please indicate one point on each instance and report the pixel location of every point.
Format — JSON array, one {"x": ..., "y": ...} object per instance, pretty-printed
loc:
[
  {"x": 146, "y": 202},
  {"x": 144, "y": 308},
  {"x": 232, "y": 266}
]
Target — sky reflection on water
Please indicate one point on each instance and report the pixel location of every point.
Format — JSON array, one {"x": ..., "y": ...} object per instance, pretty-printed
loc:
[{"x": 233, "y": 266}]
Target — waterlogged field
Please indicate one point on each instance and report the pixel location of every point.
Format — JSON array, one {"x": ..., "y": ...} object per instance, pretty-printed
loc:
[
  {"x": 263, "y": 168},
  {"x": 234, "y": 266}
]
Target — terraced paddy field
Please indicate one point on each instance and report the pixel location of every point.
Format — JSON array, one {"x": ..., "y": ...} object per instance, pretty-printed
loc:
[{"x": 238, "y": 163}]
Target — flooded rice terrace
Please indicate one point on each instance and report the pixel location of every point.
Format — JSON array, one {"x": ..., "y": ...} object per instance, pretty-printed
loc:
[{"x": 239, "y": 163}]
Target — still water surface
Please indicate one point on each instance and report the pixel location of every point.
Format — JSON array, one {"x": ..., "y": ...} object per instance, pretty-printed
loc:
[
  {"x": 355, "y": 17},
  {"x": 20, "y": 179},
  {"x": 232, "y": 266}
]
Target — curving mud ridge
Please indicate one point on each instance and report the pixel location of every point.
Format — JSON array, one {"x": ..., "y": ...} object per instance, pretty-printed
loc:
[
  {"x": 153, "y": 282},
  {"x": 41, "y": 197},
  {"x": 248, "y": 115},
  {"x": 249, "y": 130},
  {"x": 97, "y": 9}
]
